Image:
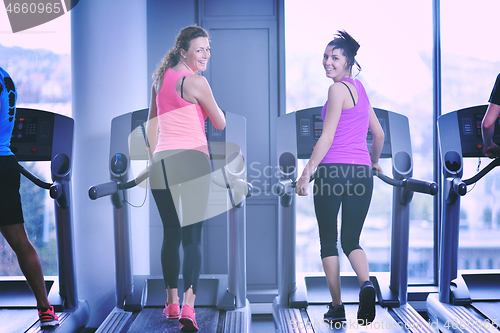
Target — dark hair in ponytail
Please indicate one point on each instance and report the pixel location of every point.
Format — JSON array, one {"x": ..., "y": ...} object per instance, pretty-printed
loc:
[{"x": 349, "y": 48}]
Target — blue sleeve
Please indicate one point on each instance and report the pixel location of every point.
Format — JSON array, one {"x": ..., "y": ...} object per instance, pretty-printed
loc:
[{"x": 8, "y": 97}]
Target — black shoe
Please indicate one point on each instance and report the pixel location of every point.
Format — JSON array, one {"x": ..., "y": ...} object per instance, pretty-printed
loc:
[
  {"x": 366, "y": 309},
  {"x": 335, "y": 313}
]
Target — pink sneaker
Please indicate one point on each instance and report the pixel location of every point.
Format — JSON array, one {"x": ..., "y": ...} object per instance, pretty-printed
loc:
[
  {"x": 171, "y": 311},
  {"x": 48, "y": 318},
  {"x": 187, "y": 320}
]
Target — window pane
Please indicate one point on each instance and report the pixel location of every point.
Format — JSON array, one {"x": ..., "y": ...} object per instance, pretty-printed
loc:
[
  {"x": 469, "y": 68},
  {"x": 38, "y": 212},
  {"x": 395, "y": 56},
  {"x": 39, "y": 63}
]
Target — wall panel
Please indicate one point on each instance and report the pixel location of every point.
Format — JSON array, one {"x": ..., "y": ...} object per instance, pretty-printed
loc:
[{"x": 244, "y": 75}]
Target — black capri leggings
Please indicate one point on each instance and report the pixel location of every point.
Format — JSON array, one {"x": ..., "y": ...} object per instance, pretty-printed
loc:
[
  {"x": 178, "y": 175},
  {"x": 350, "y": 185}
]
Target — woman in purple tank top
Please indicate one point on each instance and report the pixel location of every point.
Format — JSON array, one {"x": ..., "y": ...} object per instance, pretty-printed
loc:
[{"x": 343, "y": 175}]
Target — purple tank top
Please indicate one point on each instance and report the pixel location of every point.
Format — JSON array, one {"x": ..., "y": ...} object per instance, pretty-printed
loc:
[{"x": 349, "y": 144}]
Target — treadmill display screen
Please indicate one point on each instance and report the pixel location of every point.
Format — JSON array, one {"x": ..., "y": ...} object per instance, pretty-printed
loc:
[
  {"x": 318, "y": 126},
  {"x": 479, "y": 118}
]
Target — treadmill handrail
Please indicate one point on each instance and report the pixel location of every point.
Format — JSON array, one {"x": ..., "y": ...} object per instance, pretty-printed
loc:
[
  {"x": 102, "y": 190},
  {"x": 37, "y": 181},
  {"x": 111, "y": 187},
  {"x": 313, "y": 176},
  {"x": 142, "y": 177},
  {"x": 387, "y": 179},
  {"x": 287, "y": 185},
  {"x": 411, "y": 184},
  {"x": 483, "y": 172}
]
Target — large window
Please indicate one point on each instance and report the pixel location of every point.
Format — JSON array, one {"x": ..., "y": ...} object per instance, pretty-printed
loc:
[
  {"x": 470, "y": 65},
  {"x": 39, "y": 62},
  {"x": 395, "y": 56}
]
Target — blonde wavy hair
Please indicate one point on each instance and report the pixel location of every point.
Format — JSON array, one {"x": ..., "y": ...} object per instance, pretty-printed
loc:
[{"x": 173, "y": 56}]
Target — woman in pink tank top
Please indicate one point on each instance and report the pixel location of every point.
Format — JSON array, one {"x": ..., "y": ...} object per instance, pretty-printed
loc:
[
  {"x": 180, "y": 169},
  {"x": 343, "y": 175}
]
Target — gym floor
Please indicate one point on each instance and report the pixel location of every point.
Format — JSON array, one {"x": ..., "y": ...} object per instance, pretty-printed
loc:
[{"x": 262, "y": 323}]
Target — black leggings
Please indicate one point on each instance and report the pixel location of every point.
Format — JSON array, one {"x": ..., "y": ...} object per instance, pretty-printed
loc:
[
  {"x": 183, "y": 170},
  {"x": 350, "y": 185}
]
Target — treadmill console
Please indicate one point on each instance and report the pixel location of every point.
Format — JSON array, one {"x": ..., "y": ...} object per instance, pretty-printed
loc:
[
  {"x": 212, "y": 133},
  {"x": 469, "y": 123},
  {"x": 133, "y": 124},
  {"x": 309, "y": 127},
  {"x": 137, "y": 140},
  {"x": 138, "y": 150},
  {"x": 41, "y": 135},
  {"x": 32, "y": 135}
]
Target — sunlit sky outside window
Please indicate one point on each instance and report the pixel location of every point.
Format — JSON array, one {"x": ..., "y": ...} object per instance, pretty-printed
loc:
[
  {"x": 380, "y": 29},
  {"x": 393, "y": 35},
  {"x": 44, "y": 85}
]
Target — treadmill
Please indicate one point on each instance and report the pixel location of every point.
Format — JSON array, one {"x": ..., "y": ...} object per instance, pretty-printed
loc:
[
  {"x": 221, "y": 304},
  {"x": 466, "y": 302},
  {"x": 45, "y": 136},
  {"x": 300, "y": 303}
]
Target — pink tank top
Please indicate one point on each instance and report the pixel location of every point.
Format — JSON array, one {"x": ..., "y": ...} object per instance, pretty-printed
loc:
[
  {"x": 349, "y": 144},
  {"x": 182, "y": 124}
]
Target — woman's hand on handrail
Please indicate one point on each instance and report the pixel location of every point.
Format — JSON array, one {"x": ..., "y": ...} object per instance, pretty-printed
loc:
[{"x": 377, "y": 166}]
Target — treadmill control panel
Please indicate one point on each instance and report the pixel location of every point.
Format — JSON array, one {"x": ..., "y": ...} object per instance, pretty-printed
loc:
[
  {"x": 212, "y": 133},
  {"x": 138, "y": 138},
  {"x": 469, "y": 122},
  {"x": 310, "y": 127},
  {"x": 31, "y": 138},
  {"x": 318, "y": 126}
]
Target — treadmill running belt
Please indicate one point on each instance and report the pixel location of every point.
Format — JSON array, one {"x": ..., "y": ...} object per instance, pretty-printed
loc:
[
  {"x": 489, "y": 309},
  {"x": 15, "y": 321},
  {"x": 151, "y": 320},
  {"x": 383, "y": 320},
  {"x": 25, "y": 320}
]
